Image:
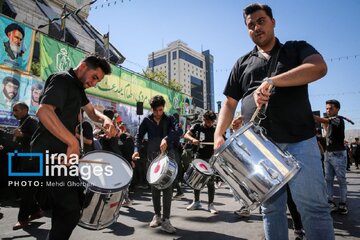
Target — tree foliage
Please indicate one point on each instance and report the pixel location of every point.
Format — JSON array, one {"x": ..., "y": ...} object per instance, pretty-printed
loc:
[{"x": 160, "y": 77}]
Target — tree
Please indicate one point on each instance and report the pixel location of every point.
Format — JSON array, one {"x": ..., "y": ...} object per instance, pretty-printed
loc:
[{"x": 160, "y": 77}]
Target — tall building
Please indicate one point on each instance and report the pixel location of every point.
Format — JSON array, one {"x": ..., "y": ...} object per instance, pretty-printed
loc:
[{"x": 193, "y": 70}]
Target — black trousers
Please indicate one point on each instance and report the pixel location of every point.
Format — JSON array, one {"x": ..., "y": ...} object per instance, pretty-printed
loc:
[
  {"x": 66, "y": 205},
  {"x": 166, "y": 199},
  {"x": 295, "y": 215},
  {"x": 28, "y": 203},
  {"x": 211, "y": 191}
]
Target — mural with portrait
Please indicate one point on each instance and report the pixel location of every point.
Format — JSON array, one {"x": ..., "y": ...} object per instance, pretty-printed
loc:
[
  {"x": 15, "y": 87},
  {"x": 16, "y": 46}
]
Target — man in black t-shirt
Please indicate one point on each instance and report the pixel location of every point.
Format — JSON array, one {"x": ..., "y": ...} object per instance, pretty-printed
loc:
[
  {"x": 335, "y": 154},
  {"x": 60, "y": 103},
  {"x": 289, "y": 68},
  {"x": 198, "y": 133}
]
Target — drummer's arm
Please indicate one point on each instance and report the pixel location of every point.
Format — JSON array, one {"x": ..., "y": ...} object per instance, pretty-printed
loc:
[
  {"x": 97, "y": 116},
  {"x": 224, "y": 120},
  {"x": 189, "y": 136},
  {"x": 47, "y": 116}
]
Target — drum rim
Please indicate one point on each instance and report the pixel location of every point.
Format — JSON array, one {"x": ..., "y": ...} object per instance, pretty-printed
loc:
[
  {"x": 109, "y": 190},
  {"x": 209, "y": 174},
  {"x": 152, "y": 162},
  {"x": 232, "y": 137}
]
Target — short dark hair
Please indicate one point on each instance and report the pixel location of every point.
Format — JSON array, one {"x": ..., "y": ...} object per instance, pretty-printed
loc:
[
  {"x": 36, "y": 86},
  {"x": 256, "y": 7},
  {"x": 95, "y": 61},
  {"x": 356, "y": 139},
  {"x": 157, "y": 101},
  {"x": 13, "y": 80},
  {"x": 14, "y": 26},
  {"x": 22, "y": 105},
  {"x": 336, "y": 103},
  {"x": 210, "y": 115},
  {"x": 109, "y": 113}
]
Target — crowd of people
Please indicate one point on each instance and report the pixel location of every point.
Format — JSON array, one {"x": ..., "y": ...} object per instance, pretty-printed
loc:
[{"x": 273, "y": 74}]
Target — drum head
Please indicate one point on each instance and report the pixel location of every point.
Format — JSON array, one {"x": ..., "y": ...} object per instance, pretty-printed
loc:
[
  {"x": 203, "y": 167},
  {"x": 116, "y": 173},
  {"x": 156, "y": 168}
]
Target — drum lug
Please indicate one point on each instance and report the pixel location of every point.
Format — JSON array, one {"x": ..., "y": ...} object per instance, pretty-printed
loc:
[
  {"x": 272, "y": 173},
  {"x": 252, "y": 195}
]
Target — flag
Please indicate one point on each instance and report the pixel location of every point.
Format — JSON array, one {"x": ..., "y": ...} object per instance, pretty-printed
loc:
[
  {"x": 63, "y": 17},
  {"x": 56, "y": 56}
]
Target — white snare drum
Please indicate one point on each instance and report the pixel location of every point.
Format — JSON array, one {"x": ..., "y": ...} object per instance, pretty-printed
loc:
[
  {"x": 162, "y": 172},
  {"x": 253, "y": 166},
  {"x": 198, "y": 174},
  {"x": 105, "y": 188}
]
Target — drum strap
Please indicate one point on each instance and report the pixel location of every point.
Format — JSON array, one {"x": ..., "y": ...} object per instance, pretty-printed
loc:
[{"x": 259, "y": 113}]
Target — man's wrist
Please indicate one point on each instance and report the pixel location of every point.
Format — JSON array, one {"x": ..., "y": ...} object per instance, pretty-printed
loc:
[{"x": 269, "y": 80}]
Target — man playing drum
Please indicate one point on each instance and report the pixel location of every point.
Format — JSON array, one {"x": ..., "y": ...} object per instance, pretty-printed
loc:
[
  {"x": 160, "y": 130},
  {"x": 60, "y": 103},
  {"x": 198, "y": 133},
  {"x": 289, "y": 119}
]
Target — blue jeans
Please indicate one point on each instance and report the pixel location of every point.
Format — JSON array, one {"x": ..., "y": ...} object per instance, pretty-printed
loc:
[
  {"x": 309, "y": 194},
  {"x": 335, "y": 164}
]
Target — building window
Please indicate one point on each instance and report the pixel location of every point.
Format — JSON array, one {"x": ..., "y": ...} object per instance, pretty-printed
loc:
[
  {"x": 174, "y": 55},
  {"x": 157, "y": 61}
]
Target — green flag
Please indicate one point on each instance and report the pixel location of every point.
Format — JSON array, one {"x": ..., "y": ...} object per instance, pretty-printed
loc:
[{"x": 56, "y": 56}]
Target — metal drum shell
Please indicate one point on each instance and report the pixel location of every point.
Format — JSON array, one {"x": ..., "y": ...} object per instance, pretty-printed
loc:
[
  {"x": 167, "y": 175},
  {"x": 195, "y": 178},
  {"x": 101, "y": 205},
  {"x": 253, "y": 166}
]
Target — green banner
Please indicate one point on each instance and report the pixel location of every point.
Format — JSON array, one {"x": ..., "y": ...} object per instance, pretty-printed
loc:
[
  {"x": 121, "y": 86},
  {"x": 128, "y": 87},
  {"x": 56, "y": 56}
]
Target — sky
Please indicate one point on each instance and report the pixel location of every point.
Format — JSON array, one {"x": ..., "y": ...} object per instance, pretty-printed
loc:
[{"x": 139, "y": 27}]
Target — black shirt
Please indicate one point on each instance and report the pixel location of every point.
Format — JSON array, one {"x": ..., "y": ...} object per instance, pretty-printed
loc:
[
  {"x": 289, "y": 116},
  {"x": 203, "y": 134},
  {"x": 88, "y": 134},
  {"x": 156, "y": 132},
  {"x": 28, "y": 126},
  {"x": 66, "y": 93},
  {"x": 335, "y": 134}
]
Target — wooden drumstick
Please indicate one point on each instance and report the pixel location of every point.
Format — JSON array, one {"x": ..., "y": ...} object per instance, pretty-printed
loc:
[
  {"x": 100, "y": 126},
  {"x": 206, "y": 143},
  {"x": 88, "y": 161},
  {"x": 92, "y": 161}
]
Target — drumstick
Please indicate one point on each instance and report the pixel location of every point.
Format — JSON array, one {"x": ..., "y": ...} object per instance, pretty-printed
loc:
[
  {"x": 97, "y": 161},
  {"x": 206, "y": 143},
  {"x": 92, "y": 161},
  {"x": 100, "y": 126}
]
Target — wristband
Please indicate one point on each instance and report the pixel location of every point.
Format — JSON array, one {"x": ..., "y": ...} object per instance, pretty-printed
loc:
[{"x": 269, "y": 80}]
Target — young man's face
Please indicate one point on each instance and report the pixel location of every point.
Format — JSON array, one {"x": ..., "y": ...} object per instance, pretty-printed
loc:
[
  {"x": 158, "y": 112},
  {"x": 90, "y": 77},
  {"x": 10, "y": 90},
  {"x": 331, "y": 110},
  {"x": 208, "y": 123},
  {"x": 260, "y": 27},
  {"x": 35, "y": 95}
]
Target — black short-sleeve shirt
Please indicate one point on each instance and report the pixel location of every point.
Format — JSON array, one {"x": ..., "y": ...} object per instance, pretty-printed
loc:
[
  {"x": 66, "y": 92},
  {"x": 335, "y": 134},
  {"x": 289, "y": 115},
  {"x": 203, "y": 134}
]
